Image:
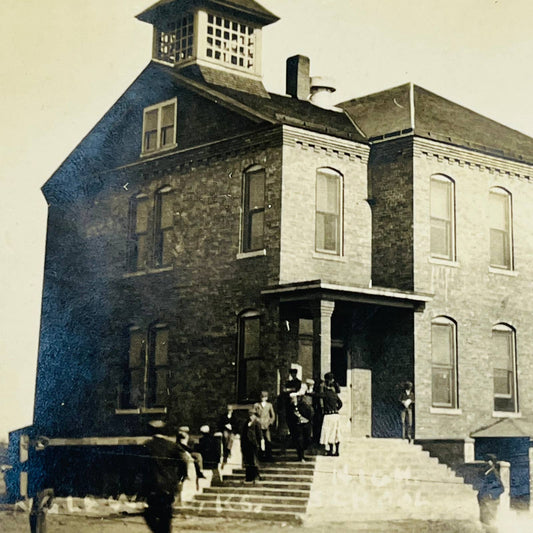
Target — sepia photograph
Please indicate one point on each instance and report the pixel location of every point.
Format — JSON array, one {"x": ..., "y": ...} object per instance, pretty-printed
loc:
[{"x": 266, "y": 265}]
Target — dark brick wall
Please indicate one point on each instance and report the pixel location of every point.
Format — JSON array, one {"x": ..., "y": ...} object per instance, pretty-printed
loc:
[
  {"x": 391, "y": 191},
  {"x": 199, "y": 298}
]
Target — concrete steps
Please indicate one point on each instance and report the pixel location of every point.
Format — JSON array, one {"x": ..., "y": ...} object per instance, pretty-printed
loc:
[
  {"x": 372, "y": 480},
  {"x": 377, "y": 478},
  {"x": 281, "y": 494}
]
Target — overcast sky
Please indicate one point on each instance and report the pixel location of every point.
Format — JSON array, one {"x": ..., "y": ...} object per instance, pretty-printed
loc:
[{"x": 64, "y": 62}]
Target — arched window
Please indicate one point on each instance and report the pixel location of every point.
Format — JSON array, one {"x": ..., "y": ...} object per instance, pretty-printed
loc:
[
  {"x": 249, "y": 355},
  {"x": 442, "y": 237},
  {"x": 504, "y": 368},
  {"x": 328, "y": 225},
  {"x": 253, "y": 210},
  {"x": 444, "y": 363},
  {"x": 164, "y": 221},
  {"x": 501, "y": 228},
  {"x": 138, "y": 231}
]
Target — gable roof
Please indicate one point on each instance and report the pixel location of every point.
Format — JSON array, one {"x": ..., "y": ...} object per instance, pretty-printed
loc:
[
  {"x": 250, "y": 8},
  {"x": 411, "y": 109},
  {"x": 269, "y": 107}
]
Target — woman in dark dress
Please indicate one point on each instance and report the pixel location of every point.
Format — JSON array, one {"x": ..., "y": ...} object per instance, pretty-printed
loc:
[{"x": 251, "y": 445}]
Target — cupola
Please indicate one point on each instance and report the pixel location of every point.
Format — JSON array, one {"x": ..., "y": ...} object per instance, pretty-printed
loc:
[{"x": 222, "y": 34}]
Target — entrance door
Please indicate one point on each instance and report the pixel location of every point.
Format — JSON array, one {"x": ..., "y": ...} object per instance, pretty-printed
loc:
[{"x": 356, "y": 392}]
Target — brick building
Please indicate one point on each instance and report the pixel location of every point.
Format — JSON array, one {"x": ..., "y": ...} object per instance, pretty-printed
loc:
[{"x": 207, "y": 234}]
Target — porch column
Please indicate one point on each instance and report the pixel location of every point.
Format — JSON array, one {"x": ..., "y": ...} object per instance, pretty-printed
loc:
[{"x": 322, "y": 312}]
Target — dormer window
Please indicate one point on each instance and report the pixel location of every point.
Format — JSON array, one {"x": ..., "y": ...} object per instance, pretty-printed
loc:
[{"x": 159, "y": 127}]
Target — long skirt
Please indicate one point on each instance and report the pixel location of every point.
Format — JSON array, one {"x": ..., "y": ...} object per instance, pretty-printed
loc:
[{"x": 330, "y": 433}]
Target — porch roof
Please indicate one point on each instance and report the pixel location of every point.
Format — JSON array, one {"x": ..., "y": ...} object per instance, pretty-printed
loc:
[
  {"x": 506, "y": 427},
  {"x": 317, "y": 290}
]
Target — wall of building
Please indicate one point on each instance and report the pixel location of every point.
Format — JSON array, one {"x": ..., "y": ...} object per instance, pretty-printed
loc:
[
  {"x": 467, "y": 290},
  {"x": 303, "y": 154},
  {"x": 391, "y": 191},
  {"x": 199, "y": 297}
]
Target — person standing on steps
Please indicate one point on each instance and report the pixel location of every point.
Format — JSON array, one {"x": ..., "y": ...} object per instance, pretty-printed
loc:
[
  {"x": 407, "y": 400},
  {"x": 266, "y": 416},
  {"x": 228, "y": 427},
  {"x": 250, "y": 445},
  {"x": 300, "y": 419},
  {"x": 330, "y": 434}
]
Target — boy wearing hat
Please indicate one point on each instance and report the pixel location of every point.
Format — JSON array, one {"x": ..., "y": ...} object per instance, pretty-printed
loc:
[{"x": 265, "y": 414}]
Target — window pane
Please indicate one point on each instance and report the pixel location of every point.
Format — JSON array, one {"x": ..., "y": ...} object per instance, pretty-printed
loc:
[
  {"x": 141, "y": 215},
  {"x": 250, "y": 346},
  {"x": 161, "y": 386},
  {"x": 166, "y": 215},
  {"x": 327, "y": 193},
  {"x": 502, "y": 349},
  {"x": 499, "y": 211},
  {"x": 253, "y": 378},
  {"x": 441, "y": 199},
  {"x": 166, "y": 248},
  {"x": 442, "y": 344},
  {"x": 442, "y": 386},
  {"x": 502, "y": 382},
  {"x": 500, "y": 253},
  {"x": 141, "y": 252},
  {"x": 168, "y": 115},
  {"x": 440, "y": 238},
  {"x": 150, "y": 120},
  {"x": 161, "y": 347},
  {"x": 136, "y": 387},
  {"x": 136, "y": 354},
  {"x": 256, "y": 190},
  {"x": 256, "y": 230}
]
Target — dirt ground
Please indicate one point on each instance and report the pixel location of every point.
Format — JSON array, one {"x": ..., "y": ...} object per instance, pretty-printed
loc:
[{"x": 17, "y": 522}]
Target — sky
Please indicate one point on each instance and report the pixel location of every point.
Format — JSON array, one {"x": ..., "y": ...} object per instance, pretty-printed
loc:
[{"x": 65, "y": 62}]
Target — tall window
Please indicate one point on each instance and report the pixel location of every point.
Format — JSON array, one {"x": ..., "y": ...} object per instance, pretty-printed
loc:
[
  {"x": 159, "y": 126},
  {"x": 328, "y": 211},
  {"x": 164, "y": 219},
  {"x": 504, "y": 368},
  {"x": 444, "y": 363},
  {"x": 138, "y": 230},
  {"x": 254, "y": 210},
  {"x": 501, "y": 241},
  {"x": 249, "y": 361},
  {"x": 148, "y": 367},
  {"x": 442, "y": 218}
]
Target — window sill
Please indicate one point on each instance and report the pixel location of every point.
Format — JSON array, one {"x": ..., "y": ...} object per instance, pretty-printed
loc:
[
  {"x": 506, "y": 414},
  {"x": 147, "y": 271},
  {"x": 443, "y": 262},
  {"x": 141, "y": 410},
  {"x": 255, "y": 253},
  {"x": 445, "y": 411},
  {"x": 329, "y": 257},
  {"x": 159, "y": 151},
  {"x": 503, "y": 271}
]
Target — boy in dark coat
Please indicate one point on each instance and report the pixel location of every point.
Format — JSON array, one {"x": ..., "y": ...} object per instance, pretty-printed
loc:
[
  {"x": 250, "y": 446},
  {"x": 166, "y": 469}
]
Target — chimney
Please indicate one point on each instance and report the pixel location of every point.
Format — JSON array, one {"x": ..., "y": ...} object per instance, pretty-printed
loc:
[
  {"x": 297, "y": 78},
  {"x": 322, "y": 89}
]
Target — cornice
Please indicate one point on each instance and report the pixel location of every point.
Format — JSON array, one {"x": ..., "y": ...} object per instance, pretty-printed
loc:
[
  {"x": 453, "y": 155},
  {"x": 326, "y": 144}
]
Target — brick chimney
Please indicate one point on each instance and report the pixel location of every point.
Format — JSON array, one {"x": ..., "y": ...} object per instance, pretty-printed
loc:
[{"x": 298, "y": 81}]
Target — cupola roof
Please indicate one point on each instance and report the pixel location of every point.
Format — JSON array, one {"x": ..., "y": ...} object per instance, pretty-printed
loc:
[{"x": 248, "y": 9}]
